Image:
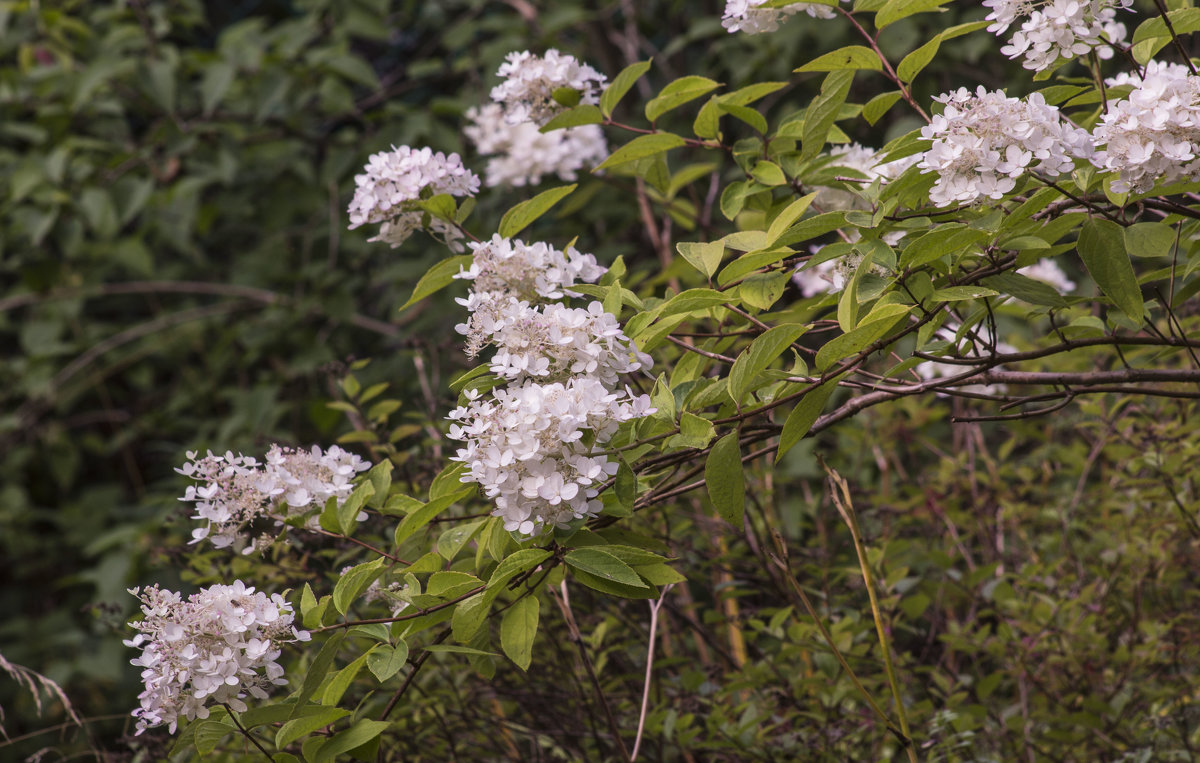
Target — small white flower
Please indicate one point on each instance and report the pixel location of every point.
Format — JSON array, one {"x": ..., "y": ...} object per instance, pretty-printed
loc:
[
  {"x": 1057, "y": 29},
  {"x": 1047, "y": 271}
]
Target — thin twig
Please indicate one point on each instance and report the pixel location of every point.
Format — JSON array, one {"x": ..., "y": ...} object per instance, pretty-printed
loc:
[
  {"x": 253, "y": 740},
  {"x": 654, "y": 607}
]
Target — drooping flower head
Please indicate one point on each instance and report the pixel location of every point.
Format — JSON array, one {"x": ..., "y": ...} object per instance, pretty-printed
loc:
[
  {"x": 394, "y": 180},
  {"x": 243, "y": 502},
  {"x": 1153, "y": 135},
  {"x": 522, "y": 155},
  {"x": 528, "y": 447},
  {"x": 216, "y": 647},
  {"x": 983, "y": 142},
  {"x": 527, "y": 92},
  {"x": 1054, "y": 29}
]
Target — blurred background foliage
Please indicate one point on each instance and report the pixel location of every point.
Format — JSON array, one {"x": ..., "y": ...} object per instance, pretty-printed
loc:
[{"x": 175, "y": 274}]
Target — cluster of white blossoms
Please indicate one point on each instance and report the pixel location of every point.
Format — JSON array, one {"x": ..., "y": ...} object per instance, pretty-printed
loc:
[
  {"x": 212, "y": 649},
  {"x": 520, "y": 154},
  {"x": 1057, "y": 29},
  {"x": 528, "y": 443},
  {"x": 983, "y": 142},
  {"x": 750, "y": 17},
  {"x": 529, "y": 447},
  {"x": 1154, "y": 134},
  {"x": 532, "y": 272},
  {"x": 527, "y": 92},
  {"x": 243, "y": 501},
  {"x": 395, "y": 180},
  {"x": 553, "y": 342}
]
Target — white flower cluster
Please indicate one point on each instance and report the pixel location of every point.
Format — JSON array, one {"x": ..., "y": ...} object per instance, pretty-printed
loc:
[
  {"x": 521, "y": 155},
  {"x": 214, "y": 648},
  {"x": 748, "y": 16},
  {"x": 237, "y": 490},
  {"x": 533, "y": 272},
  {"x": 395, "y": 179},
  {"x": 1152, "y": 136},
  {"x": 1057, "y": 29},
  {"x": 527, "y": 92},
  {"x": 528, "y": 443},
  {"x": 982, "y": 143},
  {"x": 528, "y": 447},
  {"x": 552, "y": 342}
]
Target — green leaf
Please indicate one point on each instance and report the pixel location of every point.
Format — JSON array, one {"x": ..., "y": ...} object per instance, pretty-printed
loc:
[
  {"x": 959, "y": 293},
  {"x": 854, "y": 342},
  {"x": 849, "y": 57},
  {"x": 438, "y": 277},
  {"x": 518, "y": 562},
  {"x": 823, "y": 112},
  {"x": 678, "y": 93},
  {"x": 948, "y": 239},
  {"x": 293, "y": 730},
  {"x": 691, "y": 300},
  {"x": 468, "y": 617},
  {"x": 522, "y": 215},
  {"x": 875, "y": 108},
  {"x": 386, "y": 661},
  {"x": 452, "y": 539},
  {"x": 360, "y": 733},
  {"x": 769, "y": 174},
  {"x": 422, "y": 516},
  {"x": 347, "y": 513},
  {"x": 761, "y": 353},
  {"x": 641, "y": 591},
  {"x": 899, "y": 9},
  {"x": 789, "y": 215},
  {"x": 641, "y": 147},
  {"x": 380, "y": 476},
  {"x": 1149, "y": 239},
  {"x": 518, "y": 628},
  {"x": 341, "y": 680},
  {"x": 1102, "y": 246},
  {"x": 705, "y": 257},
  {"x": 745, "y": 114},
  {"x": 726, "y": 480},
  {"x": 209, "y": 734},
  {"x": 586, "y": 114},
  {"x": 912, "y": 64},
  {"x": 762, "y": 290},
  {"x": 602, "y": 564},
  {"x": 217, "y": 79},
  {"x": 566, "y": 96},
  {"x": 803, "y": 416},
  {"x": 315, "y": 675},
  {"x": 694, "y": 432},
  {"x": 354, "y": 581},
  {"x": 1026, "y": 289},
  {"x": 621, "y": 83}
]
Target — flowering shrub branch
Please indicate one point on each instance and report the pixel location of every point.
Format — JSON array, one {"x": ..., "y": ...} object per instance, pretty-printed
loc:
[{"x": 952, "y": 263}]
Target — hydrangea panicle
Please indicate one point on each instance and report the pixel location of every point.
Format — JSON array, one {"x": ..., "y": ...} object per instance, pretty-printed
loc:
[
  {"x": 236, "y": 491},
  {"x": 534, "y": 272},
  {"x": 983, "y": 142},
  {"x": 1057, "y": 29},
  {"x": 216, "y": 647},
  {"x": 1152, "y": 136},
  {"x": 529, "y": 446},
  {"x": 394, "y": 180},
  {"x": 527, "y": 92},
  {"x": 522, "y": 155}
]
